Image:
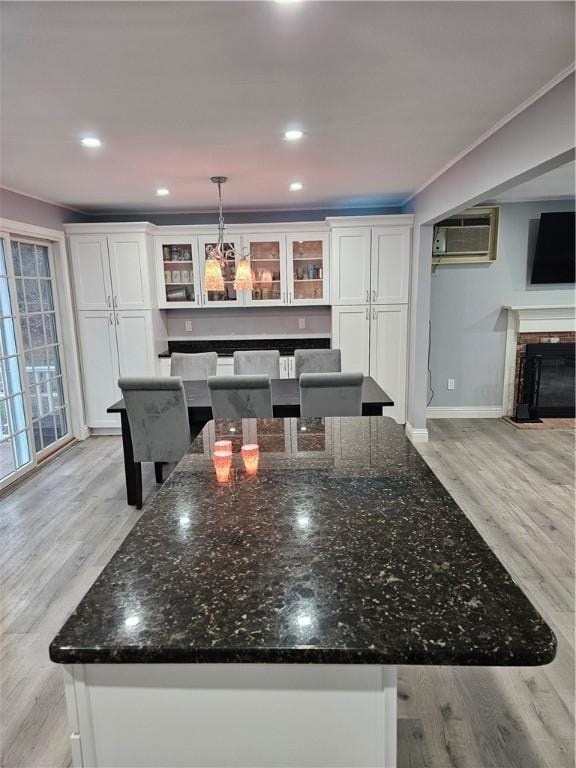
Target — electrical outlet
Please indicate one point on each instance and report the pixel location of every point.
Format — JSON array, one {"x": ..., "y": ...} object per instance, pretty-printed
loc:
[
  {"x": 188, "y": 325},
  {"x": 451, "y": 384},
  {"x": 301, "y": 322}
]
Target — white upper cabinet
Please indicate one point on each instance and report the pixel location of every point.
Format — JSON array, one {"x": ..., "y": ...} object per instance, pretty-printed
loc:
[
  {"x": 178, "y": 272},
  {"x": 388, "y": 358},
  {"x": 91, "y": 269},
  {"x": 307, "y": 268},
  {"x": 390, "y": 272},
  {"x": 111, "y": 271},
  {"x": 267, "y": 253},
  {"x": 350, "y": 257},
  {"x": 129, "y": 271}
]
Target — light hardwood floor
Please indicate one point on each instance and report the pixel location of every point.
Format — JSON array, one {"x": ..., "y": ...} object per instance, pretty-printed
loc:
[{"x": 60, "y": 527}]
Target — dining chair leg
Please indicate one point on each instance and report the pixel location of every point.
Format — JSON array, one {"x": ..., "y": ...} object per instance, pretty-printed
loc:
[
  {"x": 138, "y": 478},
  {"x": 158, "y": 471}
]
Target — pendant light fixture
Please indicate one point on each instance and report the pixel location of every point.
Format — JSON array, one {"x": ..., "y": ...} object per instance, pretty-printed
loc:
[{"x": 213, "y": 279}]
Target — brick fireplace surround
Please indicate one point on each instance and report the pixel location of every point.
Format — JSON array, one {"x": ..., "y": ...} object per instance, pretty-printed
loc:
[{"x": 532, "y": 325}]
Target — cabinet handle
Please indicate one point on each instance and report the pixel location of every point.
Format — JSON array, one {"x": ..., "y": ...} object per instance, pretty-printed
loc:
[
  {"x": 117, "y": 319},
  {"x": 110, "y": 318},
  {"x": 373, "y": 314},
  {"x": 367, "y": 295},
  {"x": 374, "y": 296},
  {"x": 115, "y": 301},
  {"x": 107, "y": 301},
  {"x": 367, "y": 314}
]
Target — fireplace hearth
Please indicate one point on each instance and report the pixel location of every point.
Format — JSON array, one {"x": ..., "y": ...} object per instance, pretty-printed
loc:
[{"x": 546, "y": 383}]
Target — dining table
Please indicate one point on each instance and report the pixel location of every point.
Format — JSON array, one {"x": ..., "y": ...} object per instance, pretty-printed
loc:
[
  {"x": 260, "y": 621},
  {"x": 285, "y": 403}
]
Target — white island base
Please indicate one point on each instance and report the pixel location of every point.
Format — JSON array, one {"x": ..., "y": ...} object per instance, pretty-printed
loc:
[{"x": 216, "y": 715}]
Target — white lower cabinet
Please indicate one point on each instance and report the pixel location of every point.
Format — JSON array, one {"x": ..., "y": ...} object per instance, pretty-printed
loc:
[
  {"x": 374, "y": 339},
  {"x": 100, "y": 369},
  {"x": 351, "y": 335},
  {"x": 388, "y": 346},
  {"x": 225, "y": 366},
  {"x": 164, "y": 364},
  {"x": 113, "y": 344}
]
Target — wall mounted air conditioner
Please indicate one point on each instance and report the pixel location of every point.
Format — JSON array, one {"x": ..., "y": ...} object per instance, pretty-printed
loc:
[{"x": 469, "y": 237}]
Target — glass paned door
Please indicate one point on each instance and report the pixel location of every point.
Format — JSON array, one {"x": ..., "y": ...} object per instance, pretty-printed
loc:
[
  {"x": 179, "y": 272},
  {"x": 308, "y": 269},
  {"x": 228, "y": 296},
  {"x": 14, "y": 436},
  {"x": 268, "y": 272},
  {"x": 40, "y": 343}
]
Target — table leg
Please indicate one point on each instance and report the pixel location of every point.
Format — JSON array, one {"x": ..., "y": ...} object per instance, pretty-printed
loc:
[{"x": 130, "y": 468}]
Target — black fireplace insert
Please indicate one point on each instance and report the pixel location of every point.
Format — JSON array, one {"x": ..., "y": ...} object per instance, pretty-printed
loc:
[{"x": 546, "y": 383}]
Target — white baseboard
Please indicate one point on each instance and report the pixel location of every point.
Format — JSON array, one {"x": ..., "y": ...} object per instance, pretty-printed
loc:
[
  {"x": 416, "y": 435},
  {"x": 465, "y": 412},
  {"x": 103, "y": 431}
]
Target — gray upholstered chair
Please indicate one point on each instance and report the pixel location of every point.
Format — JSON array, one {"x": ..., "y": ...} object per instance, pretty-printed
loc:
[
  {"x": 331, "y": 394},
  {"x": 195, "y": 367},
  {"x": 317, "y": 361},
  {"x": 240, "y": 397},
  {"x": 158, "y": 418},
  {"x": 256, "y": 362}
]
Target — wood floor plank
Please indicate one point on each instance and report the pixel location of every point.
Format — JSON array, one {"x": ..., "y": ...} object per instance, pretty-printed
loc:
[{"x": 61, "y": 526}]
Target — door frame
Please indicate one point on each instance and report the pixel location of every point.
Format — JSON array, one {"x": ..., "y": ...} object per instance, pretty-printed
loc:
[{"x": 66, "y": 321}]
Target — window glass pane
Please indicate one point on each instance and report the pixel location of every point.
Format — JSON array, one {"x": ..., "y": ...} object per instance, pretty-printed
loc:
[
  {"x": 53, "y": 361},
  {"x": 5, "y": 303},
  {"x": 16, "y": 258},
  {"x": 12, "y": 375},
  {"x": 37, "y": 338},
  {"x": 61, "y": 425},
  {"x": 35, "y": 399},
  {"x": 6, "y": 458},
  {"x": 50, "y": 327},
  {"x": 32, "y": 293},
  {"x": 46, "y": 294},
  {"x": 37, "y": 436},
  {"x": 28, "y": 260},
  {"x": 7, "y": 337},
  {"x": 48, "y": 430},
  {"x": 20, "y": 295},
  {"x": 21, "y": 449},
  {"x": 43, "y": 263},
  {"x": 4, "y": 424},
  {"x": 2, "y": 258},
  {"x": 25, "y": 332},
  {"x": 56, "y": 393},
  {"x": 16, "y": 412}
]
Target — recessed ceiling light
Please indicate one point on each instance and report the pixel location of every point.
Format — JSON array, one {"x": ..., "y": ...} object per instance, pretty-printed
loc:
[
  {"x": 286, "y": 2},
  {"x": 162, "y": 191},
  {"x": 296, "y": 186},
  {"x": 91, "y": 142},
  {"x": 294, "y": 134}
]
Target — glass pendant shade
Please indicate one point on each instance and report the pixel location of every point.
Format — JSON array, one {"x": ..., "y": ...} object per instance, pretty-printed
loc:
[
  {"x": 243, "y": 280},
  {"x": 213, "y": 280}
]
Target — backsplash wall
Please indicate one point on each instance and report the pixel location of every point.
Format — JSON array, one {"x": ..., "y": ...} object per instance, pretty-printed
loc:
[{"x": 248, "y": 321}]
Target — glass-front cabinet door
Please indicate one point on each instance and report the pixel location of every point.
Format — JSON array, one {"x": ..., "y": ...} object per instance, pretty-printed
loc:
[
  {"x": 268, "y": 264},
  {"x": 228, "y": 297},
  {"x": 308, "y": 267},
  {"x": 178, "y": 278}
]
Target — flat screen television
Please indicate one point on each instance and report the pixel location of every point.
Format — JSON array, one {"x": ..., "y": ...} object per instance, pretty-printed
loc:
[{"x": 554, "y": 255}]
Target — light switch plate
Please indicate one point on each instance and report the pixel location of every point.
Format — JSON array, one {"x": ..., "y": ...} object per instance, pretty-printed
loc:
[
  {"x": 301, "y": 322},
  {"x": 451, "y": 384},
  {"x": 188, "y": 325}
]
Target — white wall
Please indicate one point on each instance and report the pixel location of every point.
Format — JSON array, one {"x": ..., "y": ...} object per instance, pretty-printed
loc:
[
  {"x": 468, "y": 322},
  {"x": 31, "y": 211}
]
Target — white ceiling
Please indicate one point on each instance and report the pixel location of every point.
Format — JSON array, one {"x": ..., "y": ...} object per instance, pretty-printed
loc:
[
  {"x": 553, "y": 185},
  {"x": 387, "y": 93}
]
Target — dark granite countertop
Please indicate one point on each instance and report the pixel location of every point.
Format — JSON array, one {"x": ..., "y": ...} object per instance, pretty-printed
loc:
[
  {"x": 345, "y": 548},
  {"x": 227, "y": 347}
]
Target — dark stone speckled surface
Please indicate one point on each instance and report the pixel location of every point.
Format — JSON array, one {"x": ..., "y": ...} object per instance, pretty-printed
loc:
[{"x": 345, "y": 548}]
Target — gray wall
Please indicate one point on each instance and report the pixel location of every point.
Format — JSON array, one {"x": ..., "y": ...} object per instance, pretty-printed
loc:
[
  {"x": 32, "y": 211},
  {"x": 271, "y": 321},
  {"x": 468, "y": 322}
]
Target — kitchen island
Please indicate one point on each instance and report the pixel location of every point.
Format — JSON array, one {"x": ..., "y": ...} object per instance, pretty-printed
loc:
[{"x": 260, "y": 622}]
